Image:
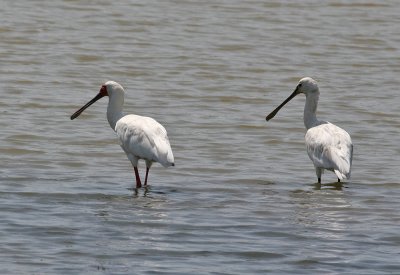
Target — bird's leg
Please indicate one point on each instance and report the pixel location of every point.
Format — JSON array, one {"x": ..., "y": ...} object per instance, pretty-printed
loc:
[
  {"x": 138, "y": 182},
  {"x": 148, "y": 165},
  {"x": 147, "y": 173},
  {"x": 318, "y": 171},
  {"x": 338, "y": 180}
]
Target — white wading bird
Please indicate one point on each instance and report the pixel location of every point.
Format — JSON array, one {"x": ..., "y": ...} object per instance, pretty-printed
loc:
[
  {"x": 140, "y": 137},
  {"x": 328, "y": 146}
]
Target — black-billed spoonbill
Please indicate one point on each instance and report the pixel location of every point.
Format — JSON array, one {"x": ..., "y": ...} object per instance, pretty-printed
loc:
[
  {"x": 328, "y": 146},
  {"x": 140, "y": 137}
]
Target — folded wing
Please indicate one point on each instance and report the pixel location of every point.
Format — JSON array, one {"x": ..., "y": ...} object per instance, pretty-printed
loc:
[
  {"x": 144, "y": 138},
  {"x": 330, "y": 147}
]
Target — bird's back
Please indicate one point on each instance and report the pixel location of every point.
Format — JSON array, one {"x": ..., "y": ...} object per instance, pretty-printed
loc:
[
  {"x": 144, "y": 138},
  {"x": 330, "y": 147}
]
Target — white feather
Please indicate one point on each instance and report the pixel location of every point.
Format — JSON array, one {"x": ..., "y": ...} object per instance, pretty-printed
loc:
[
  {"x": 330, "y": 147},
  {"x": 144, "y": 138},
  {"x": 140, "y": 137}
]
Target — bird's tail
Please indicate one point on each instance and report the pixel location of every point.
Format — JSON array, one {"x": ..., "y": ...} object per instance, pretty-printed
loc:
[
  {"x": 167, "y": 158},
  {"x": 342, "y": 176},
  {"x": 168, "y": 162},
  {"x": 342, "y": 165},
  {"x": 170, "y": 159}
]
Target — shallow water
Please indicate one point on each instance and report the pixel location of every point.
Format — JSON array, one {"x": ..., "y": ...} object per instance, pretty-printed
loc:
[{"x": 242, "y": 197}]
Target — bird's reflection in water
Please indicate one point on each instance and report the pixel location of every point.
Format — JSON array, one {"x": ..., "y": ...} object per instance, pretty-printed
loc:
[
  {"x": 332, "y": 185},
  {"x": 148, "y": 191},
  {"x": 324, "y": 208},
  {"x": 141, "y": 192}
]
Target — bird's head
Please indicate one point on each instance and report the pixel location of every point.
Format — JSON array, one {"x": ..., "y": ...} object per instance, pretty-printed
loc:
[
  {"x": 306, "y": 85},
  {"x": 111, "y": 89}
]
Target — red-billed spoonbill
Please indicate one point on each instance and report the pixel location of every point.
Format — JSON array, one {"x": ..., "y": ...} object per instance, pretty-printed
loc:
[
  {"x": 140, "y": 137},
  {"x": 328, "y": 146}
]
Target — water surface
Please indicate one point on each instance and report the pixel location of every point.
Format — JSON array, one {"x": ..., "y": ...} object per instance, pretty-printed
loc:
[{"x": 242, "y": 197}]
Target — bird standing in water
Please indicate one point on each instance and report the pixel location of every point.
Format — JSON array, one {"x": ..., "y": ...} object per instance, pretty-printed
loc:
[
  {"x": 140, "y": 137},
  {"x": 328, "y": 146}
]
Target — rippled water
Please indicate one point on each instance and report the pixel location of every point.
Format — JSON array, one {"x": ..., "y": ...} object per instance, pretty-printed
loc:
[{"x": 242, "y": 197}]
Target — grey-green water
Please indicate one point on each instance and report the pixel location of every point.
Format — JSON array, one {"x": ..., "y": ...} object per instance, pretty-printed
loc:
[{"x": 242, "y": 197}]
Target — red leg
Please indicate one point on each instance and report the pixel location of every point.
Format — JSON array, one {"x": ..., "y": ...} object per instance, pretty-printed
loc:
[
  {"x": 147, "y": 173},
  {"x": 138, "y": 182}
]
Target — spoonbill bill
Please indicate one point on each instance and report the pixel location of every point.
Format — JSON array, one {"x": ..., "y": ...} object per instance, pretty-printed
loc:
[
  {"x": 140, "y": 137},
  {"x": 328, "y": 146}
]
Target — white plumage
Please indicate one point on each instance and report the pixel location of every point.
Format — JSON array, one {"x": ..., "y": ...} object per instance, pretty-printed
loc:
[
  {"x": 144, "y": 138},
  {"x": 328, "y": 146},
  {"x": 140, "y": 137}
]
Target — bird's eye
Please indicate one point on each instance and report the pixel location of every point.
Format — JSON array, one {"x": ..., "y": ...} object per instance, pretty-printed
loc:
[{"x": 299, "y": 85}]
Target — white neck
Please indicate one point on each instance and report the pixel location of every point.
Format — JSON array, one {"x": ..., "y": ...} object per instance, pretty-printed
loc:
[
  {"x": 310, "y": 110},
  {"x": 114, "y": 109}
]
